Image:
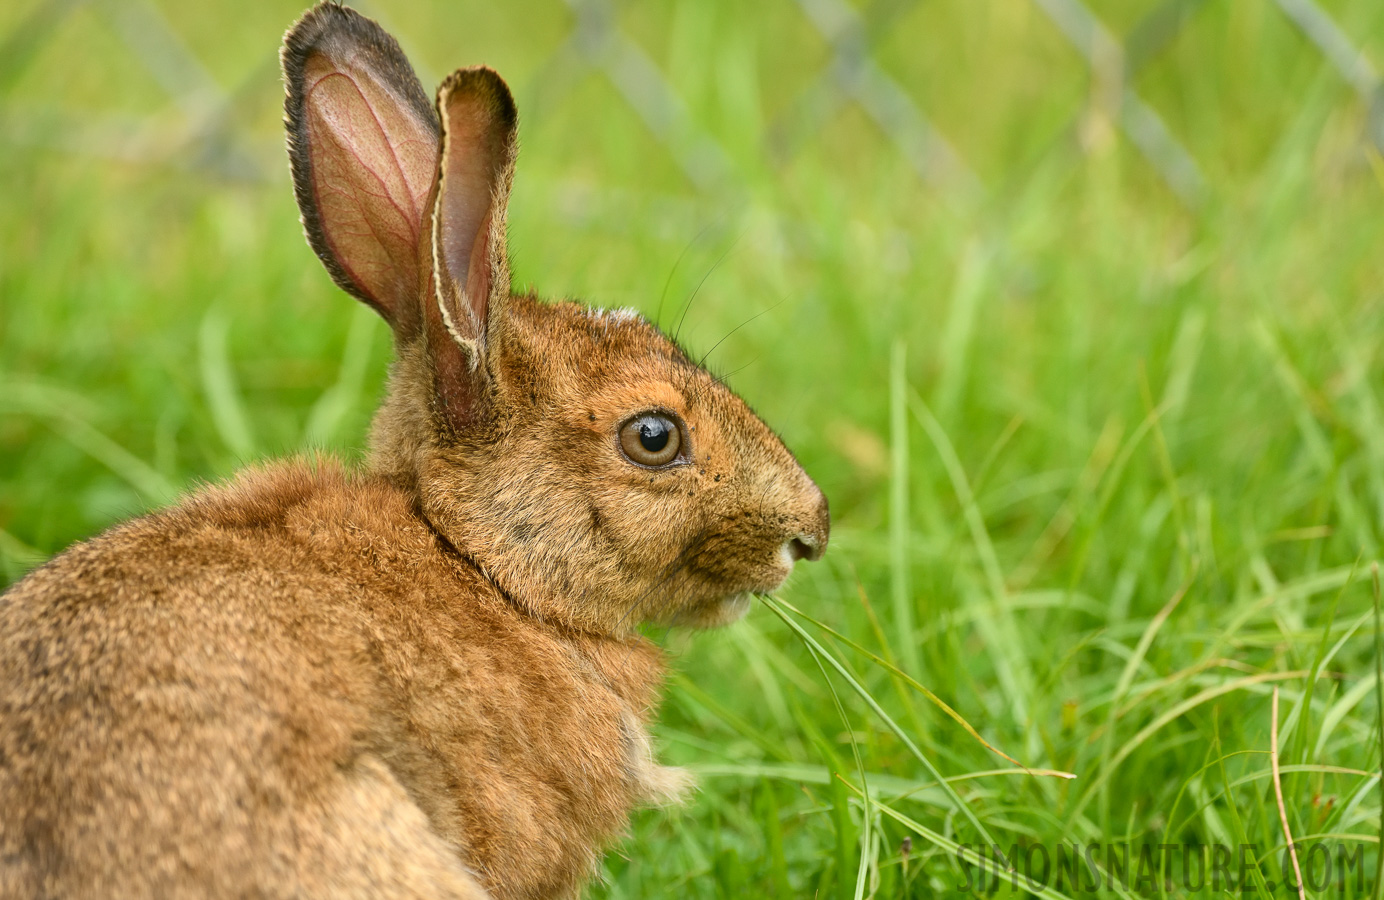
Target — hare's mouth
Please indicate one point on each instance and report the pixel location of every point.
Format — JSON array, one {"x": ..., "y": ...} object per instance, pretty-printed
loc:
[{"x": 726, "y": 596}]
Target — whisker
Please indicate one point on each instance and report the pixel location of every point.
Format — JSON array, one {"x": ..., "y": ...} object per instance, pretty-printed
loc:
[
  {"x": 702, "y": 361},
  {"x": 658, "y": 314},
  {"x": 677, "y": 331},
  {"x": 721, "y": 379}
]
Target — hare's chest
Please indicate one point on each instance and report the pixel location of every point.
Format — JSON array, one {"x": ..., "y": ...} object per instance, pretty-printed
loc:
[{"x": 535, "y": 758}]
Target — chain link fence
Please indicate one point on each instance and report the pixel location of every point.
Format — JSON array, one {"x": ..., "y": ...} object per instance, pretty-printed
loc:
[{"x": 199, "y": 127}]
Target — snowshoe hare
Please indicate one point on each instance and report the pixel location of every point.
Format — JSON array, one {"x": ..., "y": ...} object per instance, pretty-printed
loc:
[{"x": 421, "y": 679}]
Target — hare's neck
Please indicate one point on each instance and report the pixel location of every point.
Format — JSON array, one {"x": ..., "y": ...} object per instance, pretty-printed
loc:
[{"x": 400, "y": 429}]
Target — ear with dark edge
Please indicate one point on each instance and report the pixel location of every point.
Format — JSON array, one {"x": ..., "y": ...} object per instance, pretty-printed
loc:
[
  {"x": 362, "y": 140},
  {"x": 470, "y": 267}
]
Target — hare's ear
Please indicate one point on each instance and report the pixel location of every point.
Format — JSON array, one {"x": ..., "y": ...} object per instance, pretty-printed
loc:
[
  {"x": 470, "y": 266},
  {"x": 362, "y": 140}
]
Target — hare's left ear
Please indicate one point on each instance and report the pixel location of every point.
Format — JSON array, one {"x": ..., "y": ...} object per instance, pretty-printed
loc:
[
  {"x": 466, "y": 315},
  {"x": 362, "y": 140}
]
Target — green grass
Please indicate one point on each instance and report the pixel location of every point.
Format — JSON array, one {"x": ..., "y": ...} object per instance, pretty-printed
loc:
[{"x": 1105, "y": 471}]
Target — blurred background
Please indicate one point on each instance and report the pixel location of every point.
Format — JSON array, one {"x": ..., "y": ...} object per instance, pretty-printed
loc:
[{"x": 1072, "y": 308}]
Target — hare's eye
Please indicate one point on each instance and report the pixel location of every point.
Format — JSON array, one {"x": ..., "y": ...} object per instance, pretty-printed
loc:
[{"x": 650, "y": 440}]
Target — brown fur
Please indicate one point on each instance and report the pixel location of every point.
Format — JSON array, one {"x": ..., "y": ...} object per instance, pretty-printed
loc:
[{"x": 421, "y": 679}]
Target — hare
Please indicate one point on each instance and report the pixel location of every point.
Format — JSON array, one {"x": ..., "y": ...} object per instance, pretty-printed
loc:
[{"x": 423, "y": 678}]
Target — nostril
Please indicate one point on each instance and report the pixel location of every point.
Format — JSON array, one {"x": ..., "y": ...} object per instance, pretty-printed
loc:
[{"x": 804, "y": 547}]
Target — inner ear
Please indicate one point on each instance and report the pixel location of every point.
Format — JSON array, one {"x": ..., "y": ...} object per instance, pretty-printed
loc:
[
  {"x": 470, "y": 266},
  {"x": 362, "y": 140}
]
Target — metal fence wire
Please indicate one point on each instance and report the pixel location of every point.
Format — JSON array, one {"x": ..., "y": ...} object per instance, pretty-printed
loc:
[{"x": 199, "y": 127}]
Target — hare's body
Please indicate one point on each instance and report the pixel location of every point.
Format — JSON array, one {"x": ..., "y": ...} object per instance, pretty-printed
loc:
[
  {"x": 421, "y": 680},
  {"x": 314, "y": 683}
]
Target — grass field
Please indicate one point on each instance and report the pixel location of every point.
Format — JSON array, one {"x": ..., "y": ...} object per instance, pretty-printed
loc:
[{"x": 1106, "y": 467}]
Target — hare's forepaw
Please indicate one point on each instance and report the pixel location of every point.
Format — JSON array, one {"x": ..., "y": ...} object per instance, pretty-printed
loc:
[
  {"x": 654, "y": 785},
  {"x": 668, "y": 785}
]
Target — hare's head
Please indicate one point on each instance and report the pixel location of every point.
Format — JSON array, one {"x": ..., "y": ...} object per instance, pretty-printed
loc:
[{"x": 592, "y": 470}]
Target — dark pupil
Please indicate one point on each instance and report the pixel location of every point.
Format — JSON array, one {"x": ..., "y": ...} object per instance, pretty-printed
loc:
[{"x": 653, "y": 434}]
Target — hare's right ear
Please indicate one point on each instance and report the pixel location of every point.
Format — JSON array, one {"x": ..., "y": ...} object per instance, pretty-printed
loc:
[
  {"x": 363, "y": 143},
  {"x": 470, "y": 266}
]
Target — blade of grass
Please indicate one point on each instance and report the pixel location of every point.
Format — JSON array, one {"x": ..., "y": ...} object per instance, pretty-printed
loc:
[
  {"x": 900, "y": 557},
  {"x": 1173, "y": 713},
  {"x": 67, "y": 421},
  {"x": 1266, "y": 774},
  {"x": 1114, "y": 475},
  {"x": 910, "y": 681},
  {"x": 734, "y": 722},
  {"x": 863, "y": 868},
  {"x": 884, "y": 784},
  {"x": 1300, "y": 397},
  {"x": 17, "y": 557},
  {"x": 964, "y": 853},
  {"x": 1278, "y": 794},
  {"x": 223, "y": 394},
  {"x": 337, "y": 401},
  {"x": 960, "y": 805},
  {"x": 1127, "y": 676},
  {"x": 899, "y": 680},
  {"x": 1302, "y": 712},
  {"x": 1001, "y": 634},
  {"x": 750, "y": 642},
  {"x": 1171, "y": 830},
  {"x": 1338, "y": 711},
  {"x": 1379, "y": 711},
  {"x": 1165, "y": 466},
  {"x": 957, "y": 335},
  {"x": 1233, "y": 809},
  {"x": 772, "y": 817}
]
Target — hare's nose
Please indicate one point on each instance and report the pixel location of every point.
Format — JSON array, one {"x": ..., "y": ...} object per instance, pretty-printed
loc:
[
  {"x": 811, "y": 542},
  {"x": 805, "y": 546}
]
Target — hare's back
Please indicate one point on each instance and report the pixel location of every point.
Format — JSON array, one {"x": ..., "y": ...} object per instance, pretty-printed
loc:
[
  {"x": 230, "y": 607},
  {"x": 190, "y": 680}
]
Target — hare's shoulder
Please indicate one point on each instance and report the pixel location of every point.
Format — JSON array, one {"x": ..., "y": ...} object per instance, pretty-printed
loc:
[
  {"x": 301, "y": 519},
  {"x": 275, "y": 547},
  {"x": 307, "y": 513}
]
